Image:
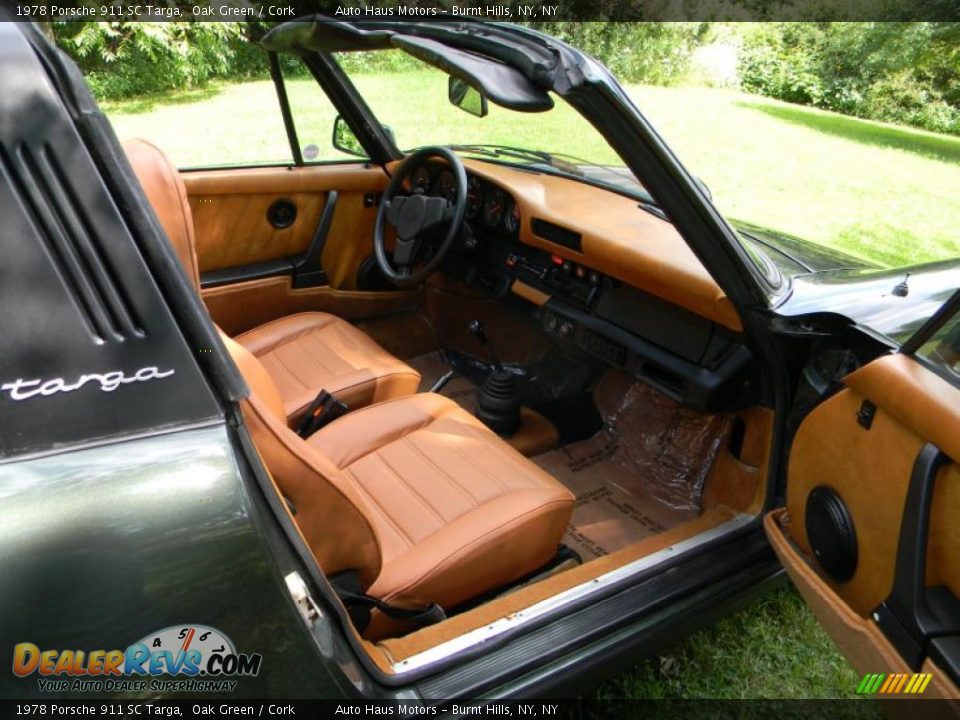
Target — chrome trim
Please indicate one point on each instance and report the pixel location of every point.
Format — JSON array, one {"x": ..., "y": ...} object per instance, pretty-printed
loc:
[{"x": 584, "y": 590}]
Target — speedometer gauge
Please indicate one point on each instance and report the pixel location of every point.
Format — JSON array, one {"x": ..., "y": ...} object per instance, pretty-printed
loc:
[
  {"x": 474, "y": 197},
  {"x": 420, "y": 180},
  {"x": 494, "y": 207},
  {"x": 446, "y": 186}
]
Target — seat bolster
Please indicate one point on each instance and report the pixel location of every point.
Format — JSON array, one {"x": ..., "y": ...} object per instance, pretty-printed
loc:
[
  {"x": 278, "y": 332},
  {"x": 351, "y": 437},
  {"x": 333, "y": 518},
  {"x": 490, "y": 546},
  {"x": 258, "y": 380}
]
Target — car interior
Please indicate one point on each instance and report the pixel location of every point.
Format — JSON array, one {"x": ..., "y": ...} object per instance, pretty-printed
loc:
[
  {"x": 556, "y": 402},
  {"x": 495, "y": 399}
]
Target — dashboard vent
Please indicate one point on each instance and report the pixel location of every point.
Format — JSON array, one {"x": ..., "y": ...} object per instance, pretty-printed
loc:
[{"x": 557, "y": 234}]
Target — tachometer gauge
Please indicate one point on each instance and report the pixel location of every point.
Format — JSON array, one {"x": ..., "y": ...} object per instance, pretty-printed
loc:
[
  {"x": 446, "y": 186},
  {"x": 474, "y": 197},
  {"x": 420, "y": 180},
  {"x": 511, "y": 221},
  {"x": 494, "y": 207}
]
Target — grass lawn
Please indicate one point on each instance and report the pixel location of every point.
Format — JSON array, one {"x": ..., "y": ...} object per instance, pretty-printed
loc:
[{"x": 883, "y": 192}]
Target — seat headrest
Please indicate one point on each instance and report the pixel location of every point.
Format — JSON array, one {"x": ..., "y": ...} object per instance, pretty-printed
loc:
[{"x": 167, "y": 194}]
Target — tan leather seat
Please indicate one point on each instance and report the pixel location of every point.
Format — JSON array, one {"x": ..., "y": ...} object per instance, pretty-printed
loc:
[
  {"x": 309, "y": 351},
  {"x": 416, "y": 495},
  {"x": 302, "y": 353}
]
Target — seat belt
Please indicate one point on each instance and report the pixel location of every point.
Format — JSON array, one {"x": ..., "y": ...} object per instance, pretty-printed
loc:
[
  {"x": 322, "y": 411},
  {"x": 360, "y": 605}
]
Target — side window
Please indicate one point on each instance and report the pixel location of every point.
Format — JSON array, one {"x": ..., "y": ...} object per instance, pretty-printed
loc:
[
  {"x": 942, "y": 349},
  {"x": 237, "y": 124},
  {"x": 313, "y": 114}
]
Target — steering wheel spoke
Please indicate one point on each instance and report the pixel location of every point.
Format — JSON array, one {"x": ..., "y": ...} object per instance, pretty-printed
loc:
[
  {"x": 420, "y": 221},
  {"x": 406, "y": 252}
]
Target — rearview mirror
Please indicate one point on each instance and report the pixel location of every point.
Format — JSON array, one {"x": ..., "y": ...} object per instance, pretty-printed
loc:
[
  {"x": 466, "y": 97},
  {"x": 344, "y": 140}
]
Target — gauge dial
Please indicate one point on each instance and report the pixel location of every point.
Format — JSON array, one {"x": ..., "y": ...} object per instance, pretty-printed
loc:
[
  {"x": 494, "y": 207},
  {"x": 474, "y": 197},
  {"x": 446, "y": 186},
  {"x": 511, "y": 221},
  {"x": 420, "y": 180}
]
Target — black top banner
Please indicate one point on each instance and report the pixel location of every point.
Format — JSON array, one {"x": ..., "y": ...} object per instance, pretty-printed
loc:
[{"x": 532, "y": 11}]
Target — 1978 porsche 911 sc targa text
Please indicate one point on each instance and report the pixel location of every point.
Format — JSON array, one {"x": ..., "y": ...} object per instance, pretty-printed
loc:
[{"x": 454, "y": 420}]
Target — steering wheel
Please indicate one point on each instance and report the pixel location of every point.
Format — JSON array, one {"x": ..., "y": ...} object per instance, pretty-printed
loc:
[{"x": 419, "y": 220}]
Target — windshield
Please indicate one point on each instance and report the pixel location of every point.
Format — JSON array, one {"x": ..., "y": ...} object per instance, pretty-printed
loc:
[{"x": 410, "y": 98}]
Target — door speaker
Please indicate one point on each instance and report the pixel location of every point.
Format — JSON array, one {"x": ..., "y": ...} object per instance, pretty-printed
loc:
[
  {"x": 831, "y": 533},
  {"x": 281, "y": 213}
]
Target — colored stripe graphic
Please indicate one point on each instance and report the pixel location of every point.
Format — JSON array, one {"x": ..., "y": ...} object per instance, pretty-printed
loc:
[{"x": 894, "y": 683}]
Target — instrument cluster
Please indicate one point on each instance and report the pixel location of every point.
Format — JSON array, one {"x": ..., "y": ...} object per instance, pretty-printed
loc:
[{"x": 488, "y": 205}]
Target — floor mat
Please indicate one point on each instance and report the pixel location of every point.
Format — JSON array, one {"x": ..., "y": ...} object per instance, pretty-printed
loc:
[{"x": 641, "y": 474}]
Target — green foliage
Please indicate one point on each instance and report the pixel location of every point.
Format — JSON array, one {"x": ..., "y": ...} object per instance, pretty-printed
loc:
[
  {"x": 377, "y": 62},
  {"x": 652, "y": 53},
  {"x": 122, "y": 59},
  {"x": 896, "y": 72}
]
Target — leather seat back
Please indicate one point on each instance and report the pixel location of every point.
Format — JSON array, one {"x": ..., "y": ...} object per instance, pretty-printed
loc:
[
  {"x": 167, "y": 194},
  {"x": 332, "y": 515}
]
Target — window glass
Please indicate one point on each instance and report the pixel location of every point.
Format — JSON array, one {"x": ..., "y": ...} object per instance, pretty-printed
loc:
[
  {"x": 222, "y": 125},
  {"x": 313, "y": 114},
  {"x": 410, "y": 98},
  {"x": 942, "y": 350}
]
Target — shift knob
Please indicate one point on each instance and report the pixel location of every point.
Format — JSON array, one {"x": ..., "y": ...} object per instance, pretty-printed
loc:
[{"x": 476, "y": 329}]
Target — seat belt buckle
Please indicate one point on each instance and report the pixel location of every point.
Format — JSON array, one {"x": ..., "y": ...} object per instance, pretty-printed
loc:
[{"x": 322, "y": 411}]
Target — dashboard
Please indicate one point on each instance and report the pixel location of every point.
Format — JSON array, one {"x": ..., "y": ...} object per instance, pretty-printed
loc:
[{"x": 598, "y": 274}]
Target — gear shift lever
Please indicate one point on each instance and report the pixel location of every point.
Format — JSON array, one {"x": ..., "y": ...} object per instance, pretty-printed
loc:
[
  {"x": 476, "y": 329},
  {"x": 498, "y": 399}
]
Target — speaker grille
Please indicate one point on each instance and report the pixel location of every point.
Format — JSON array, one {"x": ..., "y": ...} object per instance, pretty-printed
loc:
[{"x": 831, "y": 533}]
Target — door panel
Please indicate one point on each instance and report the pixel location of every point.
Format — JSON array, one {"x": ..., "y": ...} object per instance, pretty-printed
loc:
[
  {"x": 862, "y": 443},
  {"x": 242, "y": 306},
  {"x": 858, "y": 638},
  {"x": 870, "y": 469},
  {"x": 232, "y": 229}
]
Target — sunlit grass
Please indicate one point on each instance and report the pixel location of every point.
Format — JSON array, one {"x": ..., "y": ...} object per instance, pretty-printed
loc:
[
  {"x": 772, "y": 648},
  {"x": 883, "y": 192}
]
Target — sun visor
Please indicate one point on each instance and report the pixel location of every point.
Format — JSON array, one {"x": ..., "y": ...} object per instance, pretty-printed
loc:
[
  {"x": 502, "y": 84},
  {"x": 327, "y": 36}
]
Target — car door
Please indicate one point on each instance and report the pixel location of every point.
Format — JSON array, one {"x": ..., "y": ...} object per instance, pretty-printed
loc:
[
  {"x": 869, "y": 534},
  {"x": 283, "y": 220}
]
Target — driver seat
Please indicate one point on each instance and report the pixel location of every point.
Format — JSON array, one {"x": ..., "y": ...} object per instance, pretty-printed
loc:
[{"x": 302, "y": 353}]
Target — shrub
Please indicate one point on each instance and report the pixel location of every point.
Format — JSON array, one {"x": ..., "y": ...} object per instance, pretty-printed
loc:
[
  {"x": 654, "y": 53},
  {"x": 896, "y": 72},
  {"x": 125, "y": 59}
]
